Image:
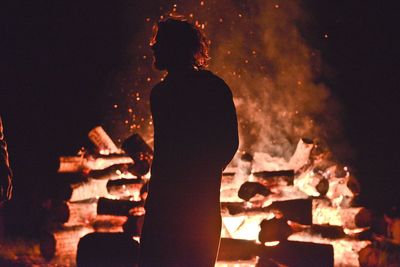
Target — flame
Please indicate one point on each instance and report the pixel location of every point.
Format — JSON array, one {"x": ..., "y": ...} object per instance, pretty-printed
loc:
[{"x": 271, "y": 244}]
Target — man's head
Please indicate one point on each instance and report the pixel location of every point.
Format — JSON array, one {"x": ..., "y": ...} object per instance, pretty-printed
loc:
[{"x": 178, "y": 44}]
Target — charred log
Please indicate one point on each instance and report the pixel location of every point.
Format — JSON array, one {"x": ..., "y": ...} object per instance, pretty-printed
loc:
[
  {"x": 117, "y": 207},
  {"x": 279, "y": 230},
  {"x": 298, "y": 210},
  {"x": 111, "y": 249},
  {"x": 322, "y": 187},
  {"x": 237, "y": 249},
  {"x": 273, "y": 178},
  {"x": 133, "y": 225},
  {"x": 76, "y": 164},
  {"x": 111, "y": 172},
  {"x": 61, "y": 242},
  {"x": 327, "y": 231},
  {"x": 82, "y": 212},
  {"x": 89, "y": 189},
  {"x": 102, "y": 140},
  {"x": 59, "y": 212},
  {"x": 250, "y": 189},
  {"x": 125, "y": 187},
  {"x": 140, "y": 152},
  {"x": 274, "y": 230},
  {"x": 291, "y": 253}
]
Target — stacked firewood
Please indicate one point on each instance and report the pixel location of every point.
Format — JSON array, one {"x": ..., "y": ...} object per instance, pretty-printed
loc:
[
  {"x": 103, "y": 202},
  {"x": 296, "y": 212},
  {"x": 275, "y": 212}
]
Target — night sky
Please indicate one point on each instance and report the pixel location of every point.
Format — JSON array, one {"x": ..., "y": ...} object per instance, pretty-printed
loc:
[{"x": 59, "y": 59}]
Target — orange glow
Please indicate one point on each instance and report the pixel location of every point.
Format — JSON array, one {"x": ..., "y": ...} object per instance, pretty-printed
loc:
[{"x": 271, "y": 244}]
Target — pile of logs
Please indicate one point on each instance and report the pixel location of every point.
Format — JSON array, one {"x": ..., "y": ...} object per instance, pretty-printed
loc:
[
  {"x": 275, "y": 212},
  {"x": 299, "y": 212},
  {"x": 101, "y": 203}
]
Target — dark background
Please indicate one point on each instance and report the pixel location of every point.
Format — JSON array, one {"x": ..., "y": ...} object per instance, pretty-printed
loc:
[{"x": 58, "y": 57}]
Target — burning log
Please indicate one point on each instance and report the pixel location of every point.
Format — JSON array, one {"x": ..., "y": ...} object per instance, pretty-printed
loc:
[
  {"x": 133, "y": 225},
  {"x": 298, "y": 210},
  {"x": 274, "y": 178},
  {"x": 82, "y": 212},
  {"x": 60, "y": 189},
  {"x": 324, "y": 213},
  {"x": 62, "y": 242},
  {"x": 125, "y": 187},
  {"x": 89, "y": 189},
  {"x": 238, "y": 249},
  {"x": 379, "y": 255},
  {"x": 140, "y": 152},
  {"x": 117, "y": 207},
  {"x": 108, "y": 223},
  {"x": 280, "y": 229},
  {"x": 300, "y": 158},
  {"x": 74, "y": 164},
  {"x": 291, "y": 253},
  {"x": 312, "y": 183},
  {"x": 108, "y": 173},
  {"x": 274, "y": 230},
  {"x": 59, "y": 212},
  {"x": 103, "y": 142},
  {"x": 111, "y": 249},
  {"x": 250, "y": 189},
  {"x": 322, "y": 187}
]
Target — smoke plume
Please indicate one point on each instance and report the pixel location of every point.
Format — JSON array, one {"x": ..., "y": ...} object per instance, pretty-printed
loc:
[{"x": 258, "y": 48}]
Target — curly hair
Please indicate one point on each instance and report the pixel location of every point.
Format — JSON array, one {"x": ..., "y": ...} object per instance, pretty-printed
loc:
[{"x": 178, "y": 34}]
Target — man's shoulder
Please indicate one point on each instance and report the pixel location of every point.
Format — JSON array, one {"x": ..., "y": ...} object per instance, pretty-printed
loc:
[
  {"x": 207, "y": 74},
  {"x": 218, "y": 84}
]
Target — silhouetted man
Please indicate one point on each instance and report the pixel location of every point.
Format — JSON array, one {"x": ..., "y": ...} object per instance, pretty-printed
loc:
[
  {"x": 5, "y": 177},
  {"x": 5, "y": 171},
  {"x": 195, "y": 137}
]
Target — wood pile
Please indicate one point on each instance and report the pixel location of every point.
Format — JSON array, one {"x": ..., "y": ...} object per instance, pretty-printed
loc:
[{"x": 99, "y": 203}]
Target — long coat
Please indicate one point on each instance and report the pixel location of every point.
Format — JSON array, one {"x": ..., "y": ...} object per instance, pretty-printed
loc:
[{"x": 195, "y": 137}]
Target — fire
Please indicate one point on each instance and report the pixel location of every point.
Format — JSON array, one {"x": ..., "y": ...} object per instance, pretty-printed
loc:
[{"x": 272, "y": 71}]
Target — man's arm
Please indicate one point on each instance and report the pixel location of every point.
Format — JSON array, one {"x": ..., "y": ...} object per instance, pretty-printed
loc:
[{"x": 5, "y": 171}]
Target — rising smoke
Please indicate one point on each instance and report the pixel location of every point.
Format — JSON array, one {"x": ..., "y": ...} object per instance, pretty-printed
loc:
[{"x": 258, "y": 49}]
